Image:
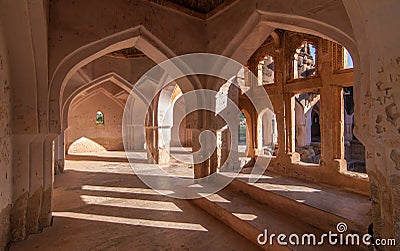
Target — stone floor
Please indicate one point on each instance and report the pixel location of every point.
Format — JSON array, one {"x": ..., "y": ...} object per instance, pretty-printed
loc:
[
  {"x": 99, "y": 204},
  {"x": 103, "y": 206},
  {"x": 351, "y": 206}
]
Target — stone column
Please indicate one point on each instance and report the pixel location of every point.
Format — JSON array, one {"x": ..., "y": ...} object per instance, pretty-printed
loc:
[
  {"x": 32, "y": 183},
  {"x": 303, "y": 125},
  {"x": 348, "y": 127},
  {"x": 204, "y": 142},
  {"x": 20, "y": 193},
  {"x": 164, "y": 141},
  {"x": 36, "y": 161},
  {"x": 201, "y": 168},
  {"x": 280, "y": 103},
  {"x": 252, "y": 68},
  {"x": 59, "y": 154},
  {"x": 277, "y": 102},
  {"x": 232, "y": 144},
  {"x": 228, "y": 156},
  {"x": 300, "y": 125},
  {"x": 252, "y": 147},
  {"x": 48, "y": 180},
  {"x": 152, "y": 134},
  {"x": 332, "y": 140},
  {"x": 223, "y": 145},
  {"x": 152, "y": 144},
  {"x": 290, "y": 123},
  {"x": 331, "y": 114},
  {"x": 308, "y": 126},
  {"x": 267, "y": 129}
]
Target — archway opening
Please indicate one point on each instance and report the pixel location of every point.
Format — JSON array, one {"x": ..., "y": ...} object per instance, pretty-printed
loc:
[
  {"x": 354, "y": 149},
  {"x": 268, "y": 133},
  {"x": 307, "y": 127},
  {"x": 266, "y": 71},
  {"x": 95, "y": 121},
  {"x": 347, "y": 59},
  {"x": 242, "y": 133},
  {"x": 175, "y": 139},
  {"x": 305, "y": 60}
]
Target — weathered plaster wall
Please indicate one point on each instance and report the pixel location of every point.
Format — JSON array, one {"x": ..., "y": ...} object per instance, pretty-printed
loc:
[
  {"x": 377, "y": 101},
  {"x": 82, "y": 122},
  {"x": 25, "y": 33},
  {"x": 5, "y": 145},
  {"x": 67, "y": 32}
]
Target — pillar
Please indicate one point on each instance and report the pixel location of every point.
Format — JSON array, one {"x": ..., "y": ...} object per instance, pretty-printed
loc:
[
  {"x": 300, "y": 125},
  {"x": 35, "y": 188},
  {"x": 152, "y": 136},
  {"x": 20, "y": 190},
  {"x": 59, "y": 154},
  {"x": 223, "y": 143},
  {"x": 290, "y": 126},
  {"x": 282, "y": 107},
  {"x": 48, "y": 181},
  {"x": 33, "y": 174},
  {"x": 332, "y": 140},
  {"x": 348, "y": 127},
  {"x": 231, "y": 134},
  {"x": 201, "y": 168},
  {"x": 331, "y": 113},
  {"x": 252, "y": 134},
  {"x": 164, "y": 142},
  {"x": 152, "y": 144}
]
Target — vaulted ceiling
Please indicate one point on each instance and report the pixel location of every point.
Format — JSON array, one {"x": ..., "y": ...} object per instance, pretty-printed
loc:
[
  {"x": 131, "y": 52},
  {"x": 199, "y": 8},
  {"x": 202, "y": 6}
]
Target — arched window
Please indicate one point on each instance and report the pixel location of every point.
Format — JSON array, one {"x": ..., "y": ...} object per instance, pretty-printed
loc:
[
  {"x": 99, "y": 118},
  {"x": 266, "y": 70},
  {"x": 347, "y": 59},
  {"x": 304, "y": 61}
]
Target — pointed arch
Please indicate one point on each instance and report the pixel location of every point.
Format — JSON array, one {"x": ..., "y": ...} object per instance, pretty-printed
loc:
[
  {"x": 137, "y": 37},
  {"x": 111, "y": 77},
  {"x": 261, "y": 24}
]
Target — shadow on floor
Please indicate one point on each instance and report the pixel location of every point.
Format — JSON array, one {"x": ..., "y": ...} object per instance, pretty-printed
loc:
[{"x": 103, "y": 205}]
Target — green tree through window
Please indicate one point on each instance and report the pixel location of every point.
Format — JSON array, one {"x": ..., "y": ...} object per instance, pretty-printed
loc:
[{"x": 99, "y": 118}]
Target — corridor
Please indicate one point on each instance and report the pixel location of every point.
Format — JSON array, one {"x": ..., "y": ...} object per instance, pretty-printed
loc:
[{"x": 101, "y": 205}]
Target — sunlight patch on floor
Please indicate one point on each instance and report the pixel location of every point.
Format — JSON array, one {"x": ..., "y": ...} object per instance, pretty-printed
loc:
[
  {"x": 290, "y": 188},
  {"x": 133, "y": 222},
  {"x": 247, "y": 217},
  {"x": 130, "y": 190},
  {"x": 215, "y": 198},
  {"x": 130, "y": 203}
]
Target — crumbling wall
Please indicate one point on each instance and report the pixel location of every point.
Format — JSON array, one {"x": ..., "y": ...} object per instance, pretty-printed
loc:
[{"x": 377, "y": 115}]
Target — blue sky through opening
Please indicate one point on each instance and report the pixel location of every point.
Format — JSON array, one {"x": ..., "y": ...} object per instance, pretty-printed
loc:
[
  {"x": 312, "y": 51},
  {"x": 349, "y": 59}
]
